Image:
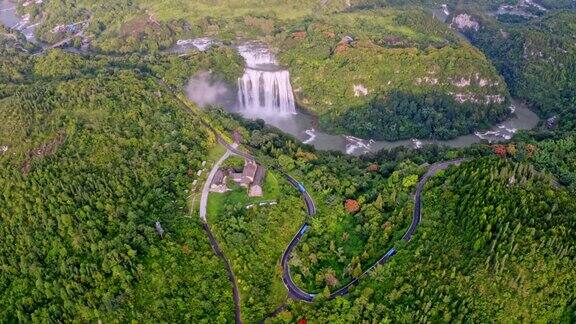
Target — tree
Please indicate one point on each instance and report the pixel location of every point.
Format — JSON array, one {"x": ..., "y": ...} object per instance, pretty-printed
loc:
[
  {"x": 500, "y": 150},
  {"x": 352, "y": 206}
]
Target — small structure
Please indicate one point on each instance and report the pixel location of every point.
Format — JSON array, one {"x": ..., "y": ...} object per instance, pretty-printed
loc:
[
  {"x": 250, "y": 178},
  {"x": 360, "y": 90},
  {"x": 552, "y": 122},
  {"x": 255, "y": 189},
  {"x": 159, "y": 229},
  {"x": 249, "y": 172},
  {"x": 219, "y": 182},
  {"x": 347, "y": 40}
]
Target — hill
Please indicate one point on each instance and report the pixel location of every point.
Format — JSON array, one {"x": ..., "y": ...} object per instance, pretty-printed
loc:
[
  {"x": 390, "y": 74},
  {"x": 94, "y": 152},
  {"x": 494, "y": 233},
  {"x": 536, "y": 58}
]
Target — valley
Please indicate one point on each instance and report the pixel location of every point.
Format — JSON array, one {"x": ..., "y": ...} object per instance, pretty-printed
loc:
[{"x": 287, "y": 162}]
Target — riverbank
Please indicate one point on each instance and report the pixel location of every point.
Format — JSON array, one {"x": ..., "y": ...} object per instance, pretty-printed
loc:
[{"x": 207, "y": 90}]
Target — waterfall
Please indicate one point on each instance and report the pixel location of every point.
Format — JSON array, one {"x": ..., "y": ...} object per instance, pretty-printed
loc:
[{"x": 264, "y": 88}]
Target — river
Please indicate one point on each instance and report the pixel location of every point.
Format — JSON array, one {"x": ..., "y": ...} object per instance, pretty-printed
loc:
[
  {"x": 206, "y": 90},
  {"x": 10, "y": 19}
]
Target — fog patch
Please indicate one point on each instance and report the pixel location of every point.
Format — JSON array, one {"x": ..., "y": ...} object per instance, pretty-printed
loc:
[{"x": 205, "y": 90}]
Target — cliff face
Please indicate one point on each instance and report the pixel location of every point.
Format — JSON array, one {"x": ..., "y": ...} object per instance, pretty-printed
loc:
[{"x": 389, "y": 52}]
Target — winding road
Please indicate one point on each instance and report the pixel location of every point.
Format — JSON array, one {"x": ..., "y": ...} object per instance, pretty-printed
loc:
[{"x": 296, "y": 292}]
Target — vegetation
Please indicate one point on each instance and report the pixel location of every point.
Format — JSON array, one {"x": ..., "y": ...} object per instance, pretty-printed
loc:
[
  {"x": 253, "y": 237},
  {"x": 96, "y": 148},
  {"x": 493, "y": 233},
  {"x": 340, "y": 244},
  {"x": 537, "y": 60},
  {"x": 94, "y": 152},
  {"x": 398, "y": 62}
]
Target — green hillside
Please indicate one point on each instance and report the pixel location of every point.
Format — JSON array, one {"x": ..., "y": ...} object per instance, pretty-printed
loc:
[
  {"x": 98, "y": 143},
  {"x": 496, "y": 244},
  {"x": 403, "y": 70},
  {"x": 537, "y": 59},
  {"x": 95, "y": 153}
]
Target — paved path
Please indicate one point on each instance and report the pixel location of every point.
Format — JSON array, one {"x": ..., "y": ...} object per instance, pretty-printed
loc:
[
  {"x": 231, "y": 277},
  {"x": 208, "y": 183},
  {"x": 293, "y": 290},
  {"x": 297, "y": 293},
  {"x": 212, "y": 238}
]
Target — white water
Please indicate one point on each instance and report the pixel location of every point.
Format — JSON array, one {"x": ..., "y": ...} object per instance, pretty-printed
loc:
[
  {"x": 312, "y": 133},
  {"x": 262, "y": 69},
  {"x": 202, "y": 44},
  {"x": 264, "y": 89}
]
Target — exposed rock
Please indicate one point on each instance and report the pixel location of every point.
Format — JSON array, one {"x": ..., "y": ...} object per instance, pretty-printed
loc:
[
  {"x": 464, "y": 22},
  {"x": 490, "y": 99},
  {"x": 462, "y": 83},
  {"x": 360, "y": 90},
  {"x": 465, "y": 97},
  {"x": 347, "y": 40},
  {"x": 202, "y": 44},
  {"x": 30, "y": 2},
  {"x": 426, "y": 80},
  {"x": 343, "y": 45},
  {"x": 474, "y": 98}
]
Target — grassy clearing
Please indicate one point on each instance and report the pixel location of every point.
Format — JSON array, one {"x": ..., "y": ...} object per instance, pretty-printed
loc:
[
  {"x": 254, "y": 239},
  {"x": 192, "y": 11},
  {"x": 195, "y": 191}
]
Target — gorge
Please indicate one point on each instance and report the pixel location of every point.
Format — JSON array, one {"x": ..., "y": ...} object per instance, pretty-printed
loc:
[{"x": 265, "y": 92}]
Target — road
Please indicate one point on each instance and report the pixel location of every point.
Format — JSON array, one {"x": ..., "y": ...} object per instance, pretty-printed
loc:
[
  {"x": 206, "y": 189},
  {"x": 294, "y": 291},
  {"x": 297, "y": 293},
  {"x": 417, "y": 215},
  {"x": 231, "y": 276},
  {"x": 212, "y": 238}
]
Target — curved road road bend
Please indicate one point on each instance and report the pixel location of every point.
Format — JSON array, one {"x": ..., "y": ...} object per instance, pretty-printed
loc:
[
  {"x": 213, "y": 242},
  {"x": 296, "y": 292}
]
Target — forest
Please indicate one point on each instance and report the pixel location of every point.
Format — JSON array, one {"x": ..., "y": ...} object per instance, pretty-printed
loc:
[
  {"x": 471, "y": 210},
  {"x": 97, "y": 152},
  {"x": 348, "y": 83},
  {"x": 494, "y": 230},
  {"x": 344, "y": 83},
  {"x": 537, "y": 58},
  {"x": 96, "y": 148}
]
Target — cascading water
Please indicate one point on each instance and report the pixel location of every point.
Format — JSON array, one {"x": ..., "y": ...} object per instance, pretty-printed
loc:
[{"x": 264, "y": 88}]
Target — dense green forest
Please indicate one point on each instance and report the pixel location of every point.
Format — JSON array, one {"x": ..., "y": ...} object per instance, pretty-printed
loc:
[
  {"x": 352, "y": 85},
  {"x": 96, "y": 152},
  {"x": 342, "y": 243},
  {"x": 477, "y": 210},
  {"x": 537, "y": 59},
  {"x": 494, "y": 233},
  {"x": 96, "y": 148},
  {"x": 349, "y": 84}
]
